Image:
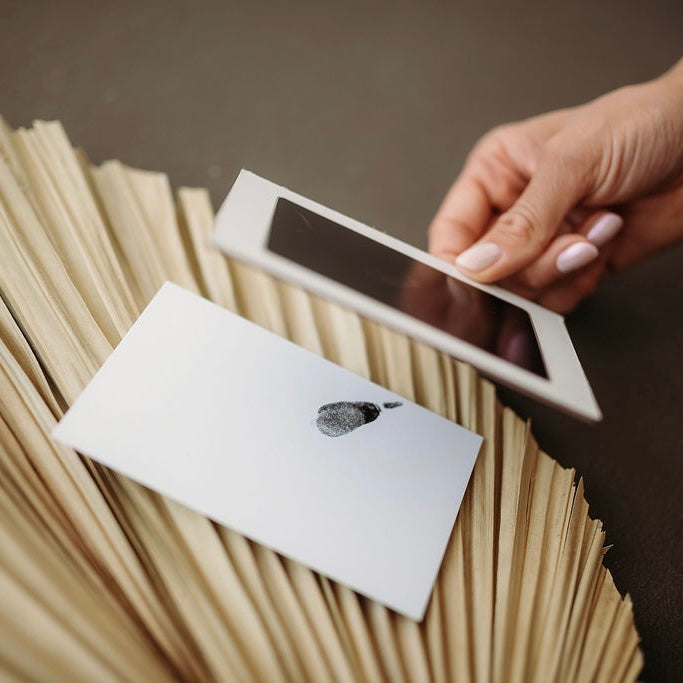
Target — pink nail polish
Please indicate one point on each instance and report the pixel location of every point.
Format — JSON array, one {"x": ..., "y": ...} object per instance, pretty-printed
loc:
[
  {"x": 605, "y": 228},
  {"x": 479, "y": 256},
  {"x": 575, "y": 256}
]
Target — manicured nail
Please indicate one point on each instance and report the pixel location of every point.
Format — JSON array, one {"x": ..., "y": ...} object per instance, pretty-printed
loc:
[
  {"x": 605, "y": 228},
  {"x": 575, "y": 256},
  {"x": 479, "y": 256}
]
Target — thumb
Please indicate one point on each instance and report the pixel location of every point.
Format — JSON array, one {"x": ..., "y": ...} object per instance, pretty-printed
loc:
[{"x": 521, "y": 234}]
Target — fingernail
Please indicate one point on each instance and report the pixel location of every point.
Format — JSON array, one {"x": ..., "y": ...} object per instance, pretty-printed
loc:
[
  {"x": 605, "y": 228},
  {"x": 575, "y": 256},
  {"x": 479, "y": 256}
]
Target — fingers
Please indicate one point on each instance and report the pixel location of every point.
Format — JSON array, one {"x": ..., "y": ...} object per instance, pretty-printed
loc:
[
  {"x": 522, "y": 233},
  {"x": 572, "y": 265},
  {"x": 652, "y": 223},
  {"x": 564, "y": 296},
  {"x": 490, "y": 182},
  {"x": 602, "y": 227},
  {"x": 569, "y": 252},
  {"x": 464, "y": 214},
  {"x": 565, "y": 254}
]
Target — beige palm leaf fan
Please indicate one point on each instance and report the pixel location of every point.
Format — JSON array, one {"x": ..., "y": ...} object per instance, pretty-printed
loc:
[{"x": 104, "y": 580}]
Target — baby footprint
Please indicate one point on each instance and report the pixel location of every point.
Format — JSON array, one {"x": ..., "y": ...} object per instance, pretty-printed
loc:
[{"x": 337, "y": 419}]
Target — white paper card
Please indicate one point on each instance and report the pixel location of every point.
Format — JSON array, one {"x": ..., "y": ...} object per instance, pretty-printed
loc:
[{"x": 221, "y": 415}]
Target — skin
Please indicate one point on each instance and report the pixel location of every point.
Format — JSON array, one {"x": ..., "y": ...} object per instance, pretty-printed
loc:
[{"x": 538, "y": 186}]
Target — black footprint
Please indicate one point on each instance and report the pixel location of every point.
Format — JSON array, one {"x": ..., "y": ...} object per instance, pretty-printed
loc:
[{"x": 337, "y": 419}]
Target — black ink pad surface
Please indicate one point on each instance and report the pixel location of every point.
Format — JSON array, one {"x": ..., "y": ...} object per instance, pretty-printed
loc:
[{"x": 415, "y": 288}]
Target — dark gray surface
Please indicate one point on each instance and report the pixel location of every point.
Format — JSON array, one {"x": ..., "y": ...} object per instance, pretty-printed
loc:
[{"x": 371, "y": 109}]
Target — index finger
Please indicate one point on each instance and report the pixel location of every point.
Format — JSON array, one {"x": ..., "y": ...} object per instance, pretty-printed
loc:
[{"x": 462, "y": 218}]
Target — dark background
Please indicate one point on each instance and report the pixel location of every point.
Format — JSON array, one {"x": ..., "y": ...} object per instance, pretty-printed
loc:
[{"x": 370, "y": 108}]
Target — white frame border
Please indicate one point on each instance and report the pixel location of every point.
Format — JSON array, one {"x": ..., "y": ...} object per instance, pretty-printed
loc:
[{"x": 242, "y": 228}]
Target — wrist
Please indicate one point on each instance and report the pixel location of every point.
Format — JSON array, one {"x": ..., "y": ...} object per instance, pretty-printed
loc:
[
  {"x": 675, "y": 73},
  {"x": 666, "y": 96}
]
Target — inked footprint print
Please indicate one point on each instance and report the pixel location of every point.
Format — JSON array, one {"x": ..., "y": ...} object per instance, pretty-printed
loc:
[{"x": 337, "y": 419}]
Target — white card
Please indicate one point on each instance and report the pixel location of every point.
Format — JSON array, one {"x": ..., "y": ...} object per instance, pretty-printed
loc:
[{"x": 223, "y": 416}]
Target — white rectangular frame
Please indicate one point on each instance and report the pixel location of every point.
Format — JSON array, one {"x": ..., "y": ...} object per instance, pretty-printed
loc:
[{"x": 242, "y": 228}]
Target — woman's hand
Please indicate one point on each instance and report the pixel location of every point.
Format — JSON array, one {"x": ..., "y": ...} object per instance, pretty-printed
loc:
[{"x": 550, "y": 205}]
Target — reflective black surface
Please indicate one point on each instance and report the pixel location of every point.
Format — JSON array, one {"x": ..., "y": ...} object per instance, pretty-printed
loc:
[{"x": 409, "y": 286}]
